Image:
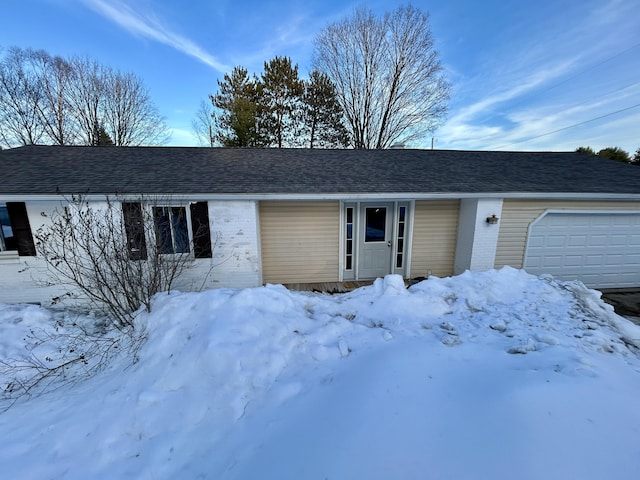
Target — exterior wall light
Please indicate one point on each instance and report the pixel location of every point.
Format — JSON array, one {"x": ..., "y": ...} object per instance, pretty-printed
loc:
[{"x": 492, "y": 220}]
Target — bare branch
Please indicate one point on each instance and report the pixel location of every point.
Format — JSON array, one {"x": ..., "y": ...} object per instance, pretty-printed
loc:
[
  {"x": 388, "y": 77},
  {"x": 130, "y": 117},
  {"x": 64, "y": 102},
  {"x": 88, "y": 248},
  {"x": 20, "y": 99},
  {"x": 203, "y": 124}
]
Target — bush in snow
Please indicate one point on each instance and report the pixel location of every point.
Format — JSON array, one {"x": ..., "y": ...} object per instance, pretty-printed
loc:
[
  {"x": 116, "y": 255},
  {"x": 56, "y": 349}
]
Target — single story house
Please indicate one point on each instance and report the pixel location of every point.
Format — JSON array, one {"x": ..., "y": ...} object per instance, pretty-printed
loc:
[{"x": 297, "y": 216}]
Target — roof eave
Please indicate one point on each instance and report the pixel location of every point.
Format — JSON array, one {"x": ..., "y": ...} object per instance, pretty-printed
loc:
[{"x": 339, "y": 196}]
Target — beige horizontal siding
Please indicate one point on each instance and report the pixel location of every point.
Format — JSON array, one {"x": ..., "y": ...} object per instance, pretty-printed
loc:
[
  {"x": 435, "y": 226},
  {"x": 517, "y": 215},
  {"x": 299, "y": 241}
]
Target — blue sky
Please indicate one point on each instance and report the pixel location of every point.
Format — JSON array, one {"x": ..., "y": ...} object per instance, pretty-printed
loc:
[{"x": 519, "y": 69}]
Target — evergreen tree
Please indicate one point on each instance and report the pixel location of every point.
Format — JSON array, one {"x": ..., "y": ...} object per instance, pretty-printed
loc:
[
  {"x": 322, "y": 113},
  {"x": 237, "y": 110},
  {"x": 100, "y": 136},
  {"x": 636, "y": 158},
  {"x": 281, "y": 97},
  {"x": 585, "y": 150},
  {"x": 615, "y": 153}
]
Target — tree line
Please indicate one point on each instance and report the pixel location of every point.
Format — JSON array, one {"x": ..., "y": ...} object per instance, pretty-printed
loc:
[
  {"x": 47, "y": 99},
  {"x": 376, "y": 81},
  {"x": 613, "y": 153},
  {"x": 276, "y": 108}
]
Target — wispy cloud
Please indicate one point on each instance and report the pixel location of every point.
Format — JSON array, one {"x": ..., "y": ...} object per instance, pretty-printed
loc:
[
  {"x": 468, "y": 127},
  {"x": 516, "y": 88},
  {"x": 547, "y": 96},
  {"x": 139, "y": 24},
  {"x": 291, "y": 35}
]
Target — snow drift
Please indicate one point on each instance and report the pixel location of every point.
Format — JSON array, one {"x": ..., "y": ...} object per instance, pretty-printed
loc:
[{"x": 484, "y": 375}]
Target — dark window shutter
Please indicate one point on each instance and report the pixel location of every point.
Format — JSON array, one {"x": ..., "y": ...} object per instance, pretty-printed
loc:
[
  {"x": 134, "y": 228},
  {"x": 200, "y": 229},
  {"x": 21, "y": 229}
]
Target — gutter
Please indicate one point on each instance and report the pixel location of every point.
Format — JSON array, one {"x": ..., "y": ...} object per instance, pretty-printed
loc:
[{"x": 332, "y": 196}]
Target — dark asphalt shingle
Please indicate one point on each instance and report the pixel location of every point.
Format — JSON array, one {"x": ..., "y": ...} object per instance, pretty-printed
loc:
[{"x": 194, "y": 170}]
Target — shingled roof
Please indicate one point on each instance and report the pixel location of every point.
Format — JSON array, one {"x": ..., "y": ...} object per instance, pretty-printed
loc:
[{"x": 46, "y": 170}]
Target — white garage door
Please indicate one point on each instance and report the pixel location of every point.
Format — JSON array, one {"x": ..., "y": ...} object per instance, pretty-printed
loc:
[{"x": 600, "y": 249}]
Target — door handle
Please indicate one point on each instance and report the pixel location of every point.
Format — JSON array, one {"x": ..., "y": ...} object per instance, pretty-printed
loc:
[{"x": 389, "y": 243}]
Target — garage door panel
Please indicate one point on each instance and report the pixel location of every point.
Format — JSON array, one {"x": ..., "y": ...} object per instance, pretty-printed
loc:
[
  {"x": 621, "y": 240},
  {"x": 600, "y": 249},
  {"x": 594, "y": 260},
  {"x": 537, "y": 241},
  {"x": 632, "y": 259},
  {"x": 617, "y": 259},
  {"x": 555, "y": 241},
  {"x": 597, "y": 240},
  {"x": 577, "y": 240},
  {"x": 600, "y": 221},
  {"x": 573, "y": 260},
  {"x": 550, "y": 261},
  {"x": 574, "y": 222}
]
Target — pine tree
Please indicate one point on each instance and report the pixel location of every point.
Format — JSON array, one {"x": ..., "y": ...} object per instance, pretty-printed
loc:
[
  {"x": 281, "y": 96},
  {"x": 585, "y": 150},
  {"x": 323, "y": 117},
  {"x": 237, "y": 110},
  {"x": 100, "y": 136},
  {"x": 615, "y": 153}
]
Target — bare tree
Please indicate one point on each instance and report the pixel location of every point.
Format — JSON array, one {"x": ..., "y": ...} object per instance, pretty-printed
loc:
[
  {"x": 56, "y": 111},
  {"x": 53, "y": 100},
  {"x": 20, "y": 99},
  {"x": 388, "y": 76},
  {"x": 114, "y": 254},
  {"x": 203, "y": 124},
  {"x": 130, "y": 117},
  {"x": 86, "y": 96}
]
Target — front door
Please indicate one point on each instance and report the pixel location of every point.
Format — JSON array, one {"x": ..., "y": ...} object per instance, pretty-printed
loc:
[{"x": 375, "y": 240}]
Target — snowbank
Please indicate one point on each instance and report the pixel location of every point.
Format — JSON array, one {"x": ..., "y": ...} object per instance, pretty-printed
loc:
[{"x": 483, "y": 375}]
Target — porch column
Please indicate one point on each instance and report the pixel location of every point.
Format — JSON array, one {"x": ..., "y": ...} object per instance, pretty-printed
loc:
[{"x": 477, "y": 239}]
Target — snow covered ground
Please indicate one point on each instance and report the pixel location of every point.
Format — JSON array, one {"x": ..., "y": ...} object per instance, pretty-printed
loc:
[{"x": 485, "y": 375}]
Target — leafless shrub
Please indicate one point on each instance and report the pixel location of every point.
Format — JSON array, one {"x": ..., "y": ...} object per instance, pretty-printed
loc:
[
  {"x": 63, "y": 355},
  {"x": 116, "y": 255}
]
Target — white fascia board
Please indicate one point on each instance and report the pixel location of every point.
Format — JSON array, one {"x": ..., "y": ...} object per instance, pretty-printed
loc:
[{"x": 333, "y": 196}]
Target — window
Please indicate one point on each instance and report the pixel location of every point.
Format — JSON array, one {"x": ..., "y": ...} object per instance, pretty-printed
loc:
[
  {"x": 402, "y": 212},
  {"x": 375, "y": 227},
  {"x": 172, "y": 234},
  {"x": 170, "y": 227},
  {"x": 15, "y": 232},
  {"x": 348, "y": 260},
  {"x": 6, "y": 232}
]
